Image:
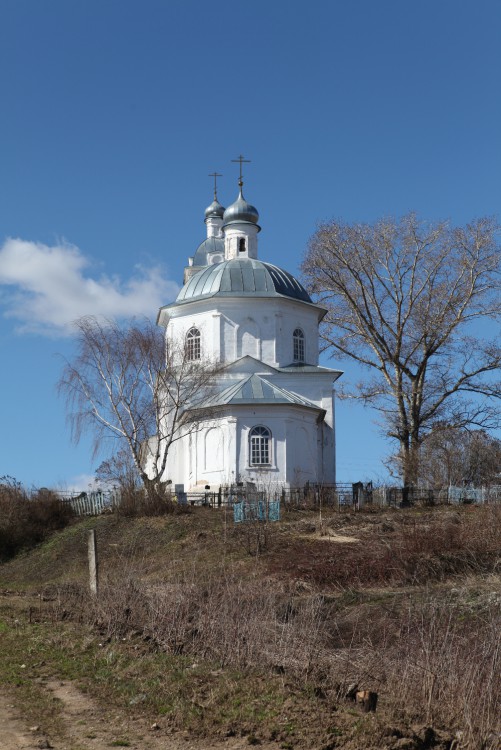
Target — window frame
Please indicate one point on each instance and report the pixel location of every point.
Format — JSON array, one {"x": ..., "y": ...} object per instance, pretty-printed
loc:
[
  {"x": 193, "y": 344},
  {"x": 260, "y": 446},
  {"x": 298, "y": 345}
]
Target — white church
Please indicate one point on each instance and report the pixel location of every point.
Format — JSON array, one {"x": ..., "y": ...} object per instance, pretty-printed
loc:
[{"x": 271, "y": 406}]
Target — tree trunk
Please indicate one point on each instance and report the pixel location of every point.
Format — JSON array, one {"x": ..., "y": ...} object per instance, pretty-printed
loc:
[
  {"x": 150, "y": 486},
  {"x": 409, "y": 452}
]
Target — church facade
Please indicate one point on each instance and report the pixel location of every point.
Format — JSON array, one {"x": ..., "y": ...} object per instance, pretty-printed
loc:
[{"x": 270, "y": 417}]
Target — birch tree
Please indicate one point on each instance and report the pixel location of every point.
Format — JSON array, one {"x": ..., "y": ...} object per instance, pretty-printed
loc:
[
  {"x": 417, "y": 305},
  {"x": 125, "y": 386}
]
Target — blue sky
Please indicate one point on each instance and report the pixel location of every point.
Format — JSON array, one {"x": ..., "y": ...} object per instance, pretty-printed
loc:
[{"x": 115, "y": 111}]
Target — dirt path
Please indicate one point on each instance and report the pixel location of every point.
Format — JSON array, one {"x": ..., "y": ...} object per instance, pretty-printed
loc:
[
  {"x": 87, "y": 726},
  {"x": 13, "y": 734}
]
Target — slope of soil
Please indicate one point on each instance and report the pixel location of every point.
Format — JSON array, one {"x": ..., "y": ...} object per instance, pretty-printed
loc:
[{"x": 210, "y": 633}]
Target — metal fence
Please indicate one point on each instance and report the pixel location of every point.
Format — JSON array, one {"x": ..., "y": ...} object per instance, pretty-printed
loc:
[
  {"x": 478, "y": 495},
  {"x": 248, "y": 501},
  {"x": 256, "y": 510}
]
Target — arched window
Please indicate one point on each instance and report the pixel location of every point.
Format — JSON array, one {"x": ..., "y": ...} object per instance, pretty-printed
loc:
[
  {"x": 260, "y": 446},
  {"x": 298, "y": 342},
  {"x": 193, "y": 344},
  {"x": 241, "y": 244}
]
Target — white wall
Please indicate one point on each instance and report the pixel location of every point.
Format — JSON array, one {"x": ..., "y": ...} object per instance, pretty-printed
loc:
[
  {"x": 219, "y": 452},
  {"x": 228, "y": 327},
  {"x": 231, "y": 328}
]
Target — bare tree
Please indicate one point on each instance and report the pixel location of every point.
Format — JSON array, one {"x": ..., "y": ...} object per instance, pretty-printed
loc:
[
  {"x": 450, "y": 456},
  {"x": 123, "y": 384},
  {"x": 119, "y": 470},
  {"x": 410, "y": 301}
]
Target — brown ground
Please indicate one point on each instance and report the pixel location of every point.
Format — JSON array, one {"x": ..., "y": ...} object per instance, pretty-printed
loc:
[
  {"x": 366, "y": 566},
  {"x": 87, "y": 726}
]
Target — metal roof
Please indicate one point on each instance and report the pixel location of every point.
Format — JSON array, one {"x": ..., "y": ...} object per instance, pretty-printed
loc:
[
  {"x": 257, "y": 390},
  {"x": 210, "y": 245},
  {"x": 240, "y": 211},
  {"x": 215, "y": 209},
  {"x": 242, "y": 277},
  {"x": 304, "y": 368}
]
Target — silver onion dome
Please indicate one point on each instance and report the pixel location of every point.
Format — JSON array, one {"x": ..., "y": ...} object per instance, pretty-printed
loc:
[
  {"x": 215, "y": 209},
  {"x": 240, "y": 211}
]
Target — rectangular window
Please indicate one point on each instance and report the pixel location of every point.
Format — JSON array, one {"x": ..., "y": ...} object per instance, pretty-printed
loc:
[
  {"x": 260, "y": 453},
  {"x": 298, "y": 350},
  {"x": 193, "y": 349},
  {"x": 298, "y": 344},
  {"x": 193, "y": 344}
]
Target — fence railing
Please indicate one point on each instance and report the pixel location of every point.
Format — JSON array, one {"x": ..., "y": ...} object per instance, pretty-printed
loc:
[
  {"x": 262, "y": 510},
  {"x": 477, "y": 495},
  {"x": 337, "y": 496},
  {"x": 91, "y": 503}
]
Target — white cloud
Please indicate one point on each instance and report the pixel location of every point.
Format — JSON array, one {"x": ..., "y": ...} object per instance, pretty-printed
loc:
[
  {"x": 80, "y": 483},
  {"x": 45, "y": 288}
]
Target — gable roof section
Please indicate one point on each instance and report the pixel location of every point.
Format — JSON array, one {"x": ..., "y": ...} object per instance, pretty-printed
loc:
[
  {"x": 257, "y": 390},
  {"x": 248, "y": 365}
]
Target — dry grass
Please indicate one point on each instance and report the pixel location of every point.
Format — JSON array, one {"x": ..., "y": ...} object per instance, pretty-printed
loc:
[
  {"x": 410, "y": 550},
  {"x": 412, "y": 611}
]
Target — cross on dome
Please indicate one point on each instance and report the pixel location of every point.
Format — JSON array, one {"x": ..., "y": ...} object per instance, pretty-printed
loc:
[
  {"x": 241, "y": 160},
  {"x": 215, "y": 175}
]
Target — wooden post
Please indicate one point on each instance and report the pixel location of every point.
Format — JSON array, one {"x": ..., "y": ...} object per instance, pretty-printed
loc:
[{"x": 93, "y": 564}]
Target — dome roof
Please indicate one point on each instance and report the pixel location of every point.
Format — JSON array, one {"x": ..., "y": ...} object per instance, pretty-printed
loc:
[
  {"x": 215, "y": 209},
  {"x": 240, "y": 211},
  {"x": 210, "y": 245},
  {"x": 243, "y": 277}
]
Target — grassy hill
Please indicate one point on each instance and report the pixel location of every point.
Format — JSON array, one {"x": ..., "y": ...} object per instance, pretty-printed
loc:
[{"x": 262, "y": 631}]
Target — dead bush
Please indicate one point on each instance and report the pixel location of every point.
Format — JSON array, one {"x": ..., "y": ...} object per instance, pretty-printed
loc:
[
  {"x": 445, "y": 670},
  {"x": 135, "y": 502},
  {"x": 26, "y": 520},
  {"x": 220, "y": 618}
]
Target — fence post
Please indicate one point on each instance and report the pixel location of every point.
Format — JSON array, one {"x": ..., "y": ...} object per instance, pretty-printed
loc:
[{"x": 93, "y": 564}]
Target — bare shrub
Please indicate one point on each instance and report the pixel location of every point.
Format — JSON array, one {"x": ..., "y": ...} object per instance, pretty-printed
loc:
[
  {"x": 218, "y": 617},
  {"x": 435, "y": 662},
  {"x": 445, "y": 669},
  {"x": 25, "y": 520},
  {"x": 255, "y": 536},
  {"x": 135, "y": 502},
  {"x": 121, "y": 609}
]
